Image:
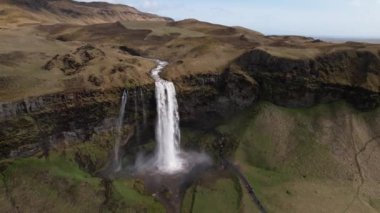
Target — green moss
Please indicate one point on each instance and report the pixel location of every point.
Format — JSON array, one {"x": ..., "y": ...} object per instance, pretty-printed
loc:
[
  {"x": 222, "y": 196},
  {"x": 60, "y": 185},
  {"x": 56, "y": 184},
  {"x": 17, "y": 132},
  {"x": 126, "y": 191},
  {"x": 188, "y": 200},
  {"x": 319, "y": 110},
  {"x": 257, "y": 153},
  {"x": 311, "y": 159},
  {"x": 56, "y": 166},
  {"x": 96, "y": 151},
  {"x": 213, "y": 143},
  {"x": 262, "y": 178},
  {"x": 197, "y": 140},
  {"x": 254, "y": 145}
]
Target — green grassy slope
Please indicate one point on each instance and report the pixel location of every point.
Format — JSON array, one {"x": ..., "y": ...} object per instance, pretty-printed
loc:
[
  {"x": 301, "y": 159},
  {"x": 61, "y": 184}
]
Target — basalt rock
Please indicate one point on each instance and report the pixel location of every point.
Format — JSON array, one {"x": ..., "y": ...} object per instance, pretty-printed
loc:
[
  {"x": 96, "y": 80},
  {"x": 35, "y": 125},
  {"x": 205, "y": 99},
  {"x": 304, "y": 82}
]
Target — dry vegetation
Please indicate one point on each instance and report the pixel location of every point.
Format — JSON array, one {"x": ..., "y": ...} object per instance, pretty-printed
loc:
[
  {"x": 23, "y": 73},
  {"x": 15, "y": 13}
]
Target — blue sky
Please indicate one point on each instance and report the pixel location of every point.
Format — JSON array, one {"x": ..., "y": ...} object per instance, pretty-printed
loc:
[{"x": 335, "y": 18}]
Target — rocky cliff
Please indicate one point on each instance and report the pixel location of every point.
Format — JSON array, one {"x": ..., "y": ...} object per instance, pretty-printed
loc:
[
  {"x": 351, "y": 75},
  {"x": 95, "y": 65},
  {"x": 40, "y": 120}
]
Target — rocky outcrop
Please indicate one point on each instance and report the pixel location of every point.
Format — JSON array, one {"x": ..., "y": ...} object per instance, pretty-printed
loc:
[
  {"x": 303, "y": 82},
  {"x": 204, "y": 99},
  {"x": 73, "y": 63},
  {"x": 54, "y": 102},
  {"x": 214, "y": 96},
  {"x": 35, "y": 124},
  {"x": 130, "y": 51},
  {"x": 33, "y": 5}
]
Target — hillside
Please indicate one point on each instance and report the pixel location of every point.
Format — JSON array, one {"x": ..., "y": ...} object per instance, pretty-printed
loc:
[
  {"x": 298, "y": 116},
  {"x": 18, "y": 12}
]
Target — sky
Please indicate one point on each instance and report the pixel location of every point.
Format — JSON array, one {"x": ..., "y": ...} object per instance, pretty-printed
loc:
[{"x": 323, "y": 18}]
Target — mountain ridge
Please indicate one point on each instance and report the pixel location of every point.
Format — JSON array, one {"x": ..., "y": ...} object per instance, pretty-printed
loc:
[{"x": 19, "y": 12}]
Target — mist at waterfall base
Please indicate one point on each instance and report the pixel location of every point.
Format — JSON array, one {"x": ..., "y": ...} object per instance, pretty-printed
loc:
[{"x": 168, "y": 157}]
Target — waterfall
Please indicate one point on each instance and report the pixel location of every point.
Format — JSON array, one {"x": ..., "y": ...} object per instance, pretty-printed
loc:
[
  {"x": 119, "y": 125},
  {"x": 167, "y": 156}
]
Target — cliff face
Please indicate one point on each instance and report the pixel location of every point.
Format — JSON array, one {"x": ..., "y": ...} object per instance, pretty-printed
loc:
[
  {"x": 351, "y": 75},
  {"x": 204, "y": 99},
  {"x": 29, "y": 126},
  {"x": 215, "y": 96},
  {"x": 38, "y": 121}
]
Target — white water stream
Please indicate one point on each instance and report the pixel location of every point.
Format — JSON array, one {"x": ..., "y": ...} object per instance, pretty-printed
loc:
[
  {"x": 119, "y": 125},
  {"x": 167, "y": 156}
]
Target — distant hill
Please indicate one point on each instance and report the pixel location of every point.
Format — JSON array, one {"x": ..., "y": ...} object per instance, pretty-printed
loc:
[
  {"x": 342, "y": 40},
  {"x": 18, "y": 12}
]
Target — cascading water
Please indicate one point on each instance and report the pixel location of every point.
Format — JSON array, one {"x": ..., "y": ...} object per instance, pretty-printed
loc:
[
  {"x": 119, "y": 125},
  {"x": 169, "y": 170},
  {"x": 167, "y": 157}
]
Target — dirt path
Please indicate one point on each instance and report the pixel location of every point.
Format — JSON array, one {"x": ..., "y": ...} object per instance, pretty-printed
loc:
[{"x": 246, "y": 183}]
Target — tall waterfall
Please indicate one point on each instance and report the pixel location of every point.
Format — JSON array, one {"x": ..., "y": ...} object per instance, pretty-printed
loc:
[
  {"x": 119, "y": 125},
  {"x": 167, "y": 157}
]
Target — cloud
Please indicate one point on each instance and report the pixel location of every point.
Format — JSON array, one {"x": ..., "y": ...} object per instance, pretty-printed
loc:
[{"x": 150, "y": 5}]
